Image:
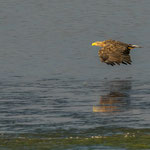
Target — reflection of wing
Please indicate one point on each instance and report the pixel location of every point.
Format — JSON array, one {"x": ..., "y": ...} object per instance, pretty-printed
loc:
[
  {"x": 112, "y": 102},
  {"x": 118, "y": 98},
  {"x": 118, "y": 86},
  {"x": 105, "y": 109}
]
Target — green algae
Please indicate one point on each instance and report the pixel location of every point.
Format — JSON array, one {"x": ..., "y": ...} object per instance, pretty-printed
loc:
[{"x": 125, "y": 138}]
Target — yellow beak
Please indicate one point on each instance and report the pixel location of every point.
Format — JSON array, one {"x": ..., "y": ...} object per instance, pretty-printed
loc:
[
  {"x": 98, "y": 43},
  {"x": 94, "y": 44}
]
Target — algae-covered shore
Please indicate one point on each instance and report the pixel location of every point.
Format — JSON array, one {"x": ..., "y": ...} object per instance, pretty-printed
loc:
[{"x": 120, "y": 138}]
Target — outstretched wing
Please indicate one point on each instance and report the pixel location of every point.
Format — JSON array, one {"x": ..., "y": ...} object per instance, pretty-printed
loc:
[
  {"x": 117, "y": 48},
  {"x": 115, "y": 54}
]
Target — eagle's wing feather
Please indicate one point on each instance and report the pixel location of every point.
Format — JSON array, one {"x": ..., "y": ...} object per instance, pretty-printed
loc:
[{"x": 115, "y": 54}]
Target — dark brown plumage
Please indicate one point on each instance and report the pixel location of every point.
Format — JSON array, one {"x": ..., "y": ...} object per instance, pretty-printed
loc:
[{"x": 114, "y": 52}]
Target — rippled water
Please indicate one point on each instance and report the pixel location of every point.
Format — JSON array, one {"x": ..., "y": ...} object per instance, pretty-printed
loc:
[{"x": 51, "y": 78}]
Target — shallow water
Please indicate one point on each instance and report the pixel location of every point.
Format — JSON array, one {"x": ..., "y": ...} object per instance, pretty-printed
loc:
[{"x": 51, "y": 78}]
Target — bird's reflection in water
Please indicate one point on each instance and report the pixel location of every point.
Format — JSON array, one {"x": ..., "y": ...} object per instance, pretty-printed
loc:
[{"x": 117, "y": 99}]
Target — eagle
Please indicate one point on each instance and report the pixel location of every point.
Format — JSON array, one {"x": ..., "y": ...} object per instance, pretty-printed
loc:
[{"x": 114, "y": 52}]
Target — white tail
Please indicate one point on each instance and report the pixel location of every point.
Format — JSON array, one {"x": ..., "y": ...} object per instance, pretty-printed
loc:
[{"x": 135, "y": 46}]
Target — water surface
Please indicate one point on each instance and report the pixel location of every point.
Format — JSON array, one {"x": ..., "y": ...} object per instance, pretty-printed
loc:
[{"x": 51, "y": 77}]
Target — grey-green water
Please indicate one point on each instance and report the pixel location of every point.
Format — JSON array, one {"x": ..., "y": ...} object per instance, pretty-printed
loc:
[{"x": 51, "y": 80}]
